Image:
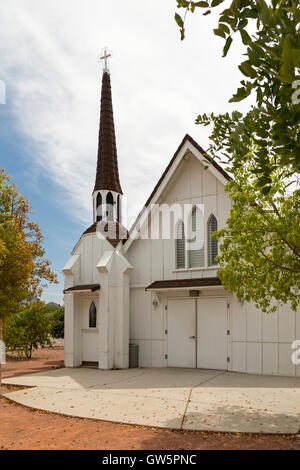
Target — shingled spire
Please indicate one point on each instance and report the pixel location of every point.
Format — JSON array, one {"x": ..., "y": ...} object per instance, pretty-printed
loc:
[{"x": 107, "y": 176}]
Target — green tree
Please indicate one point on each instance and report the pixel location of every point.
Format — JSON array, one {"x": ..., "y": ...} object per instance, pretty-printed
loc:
[
  {"x": 28, "y": 330},
  {"x": 271, "y": 72},
  {"x": 58, "y": 323},
  {"x": 260, "y": 245},
  {"x": 23, "y": 267}
]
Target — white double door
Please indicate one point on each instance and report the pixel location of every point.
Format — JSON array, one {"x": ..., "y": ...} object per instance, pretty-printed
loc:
[{"x": 197, "y": 333}]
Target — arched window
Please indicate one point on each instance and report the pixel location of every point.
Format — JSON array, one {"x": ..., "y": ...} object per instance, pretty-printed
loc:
[
  {"x": 119, "y": 209},
  {"x": 196, "y": 239},
  {"x": 180, "y": 245},
  {"x": 99, "y": 207},
  {"x": 212, "y": 226},
  {"x": 92, "y": 315},
  {"x": 110, "y": 206}
]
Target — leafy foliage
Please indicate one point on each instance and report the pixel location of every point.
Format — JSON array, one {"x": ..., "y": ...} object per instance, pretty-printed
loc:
[
  {"x": 22, "y": 263},
  {"x": 272, "y": 73},
  {"x": 58, "y": 323},
  {"x": 28, "y": 330},
  {"x": 260, "y": 246}
]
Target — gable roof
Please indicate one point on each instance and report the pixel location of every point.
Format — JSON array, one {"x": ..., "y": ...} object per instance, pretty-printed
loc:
[
  {"x": 210, "y": 160},
  {"x": 187, "y": 138}
]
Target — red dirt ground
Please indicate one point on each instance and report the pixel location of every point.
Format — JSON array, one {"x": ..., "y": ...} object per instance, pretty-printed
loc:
[
  {"x": 42, "y": 359},
  {"x": 23, "y": 428}
]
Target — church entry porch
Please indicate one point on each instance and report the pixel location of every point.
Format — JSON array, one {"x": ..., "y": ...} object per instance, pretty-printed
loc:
[{"x": 89, "y": 328}]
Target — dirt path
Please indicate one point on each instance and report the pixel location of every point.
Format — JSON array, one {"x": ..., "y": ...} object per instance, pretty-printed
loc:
[
  {"x": 42, "y": 359},
  {"x": 23, "y": 428}
]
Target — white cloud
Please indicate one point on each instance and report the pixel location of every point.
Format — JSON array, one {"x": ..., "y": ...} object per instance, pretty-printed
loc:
[{"x": 49, "y": 53}]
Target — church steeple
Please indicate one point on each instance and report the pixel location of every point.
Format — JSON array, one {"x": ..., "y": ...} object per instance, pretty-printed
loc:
[{"x": 107, "y": 191}]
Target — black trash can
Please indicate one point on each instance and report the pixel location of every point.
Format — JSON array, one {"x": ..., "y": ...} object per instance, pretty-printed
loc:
[{"x": 133, "y": 355}]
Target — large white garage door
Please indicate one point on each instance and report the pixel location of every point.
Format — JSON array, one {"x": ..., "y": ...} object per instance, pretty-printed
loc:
[{"x": 197, "y": 333}]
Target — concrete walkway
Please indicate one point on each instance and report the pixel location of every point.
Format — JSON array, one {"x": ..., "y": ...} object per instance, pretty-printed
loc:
[{"x": 204, "y": 400}]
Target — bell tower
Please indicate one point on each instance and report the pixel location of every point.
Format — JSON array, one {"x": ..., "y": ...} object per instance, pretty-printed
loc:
[{"x": 107, "y": 194}]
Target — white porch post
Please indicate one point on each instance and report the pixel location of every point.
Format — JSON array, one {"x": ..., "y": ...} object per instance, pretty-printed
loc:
[
  {"x": 105, "y": 361},
  {"x": 72, "y": 339}
]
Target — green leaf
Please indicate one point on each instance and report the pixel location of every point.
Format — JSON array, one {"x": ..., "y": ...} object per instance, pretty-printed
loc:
[
  {"x": 216, "y": 2},
  {"x": 264, "y": 180},
  {"x": 240, "y": 95},
  {"x": 242, "y": 24},
  {"x": 264, "y": 13},
  {"x": 207, "y": 12},
  {"x": 266, "y": 189},
  {"x": 224, "y": 27},
  {"x": 296, "y": 56},
  {"x": 287, "y": 68},
  {"x": 178, "y": 20},
  {"x": 245, "y": 37},
  {"x": 202, "y": 4},
  {"x": 220, "y": 33},
  {"x": 227, "y": 46},
  {"x": 247, "y": 70}
]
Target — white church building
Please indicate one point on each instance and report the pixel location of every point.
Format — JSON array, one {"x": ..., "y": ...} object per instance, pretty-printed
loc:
[{"x": 153, "y": 288}]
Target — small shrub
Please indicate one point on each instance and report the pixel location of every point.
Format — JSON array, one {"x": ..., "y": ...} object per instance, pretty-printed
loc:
[
  {"x": 58, "y": 324},
  {"x": 27, "y": 330}
]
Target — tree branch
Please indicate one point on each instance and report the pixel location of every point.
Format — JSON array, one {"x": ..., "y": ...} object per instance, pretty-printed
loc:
[{"x": 277, "y": 266}]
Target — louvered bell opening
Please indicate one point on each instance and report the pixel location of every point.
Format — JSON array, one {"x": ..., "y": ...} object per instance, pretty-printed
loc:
[
  {"x": 110, "y": 207},
  {"x": 180, "y": 246},
  {"x": 213, "y": 244},
  {"x": 99, "y": 207},
  {"x": 196, "y": 256}
]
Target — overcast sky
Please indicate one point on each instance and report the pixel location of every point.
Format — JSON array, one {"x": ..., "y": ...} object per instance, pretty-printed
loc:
[{"x": 49, "y": 54}]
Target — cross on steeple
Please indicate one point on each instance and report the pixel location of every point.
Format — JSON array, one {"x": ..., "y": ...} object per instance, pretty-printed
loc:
[{"x": 105, "y": 55}]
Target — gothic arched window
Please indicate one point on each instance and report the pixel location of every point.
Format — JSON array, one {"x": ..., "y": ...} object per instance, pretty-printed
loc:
[
  {"x": 196, "y": 239},
  {"x": 92, "y": 315},
  {"x": 180, "y": 245},
  {"x": 212, "y": 226},
  {"x": 99, "y": 207},
  {"x": 110, "y": 206}
]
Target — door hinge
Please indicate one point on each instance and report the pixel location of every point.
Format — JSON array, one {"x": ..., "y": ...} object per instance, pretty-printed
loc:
[
  {"x": 166, "y": 307},
  {"x": 166, "y": 356},
  {"x": 166, "y": 332},
  {"x": 228, "y": 304},
  {"x": 228, "y": 332},
  {"x": 228, "y": 359}
]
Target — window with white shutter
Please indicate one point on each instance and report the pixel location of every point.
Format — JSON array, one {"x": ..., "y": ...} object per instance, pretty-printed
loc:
[
  {"x": 180, "y": 245},
  {"x": 196, "y": 239},
  {"x": 212, "y": 226}
]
